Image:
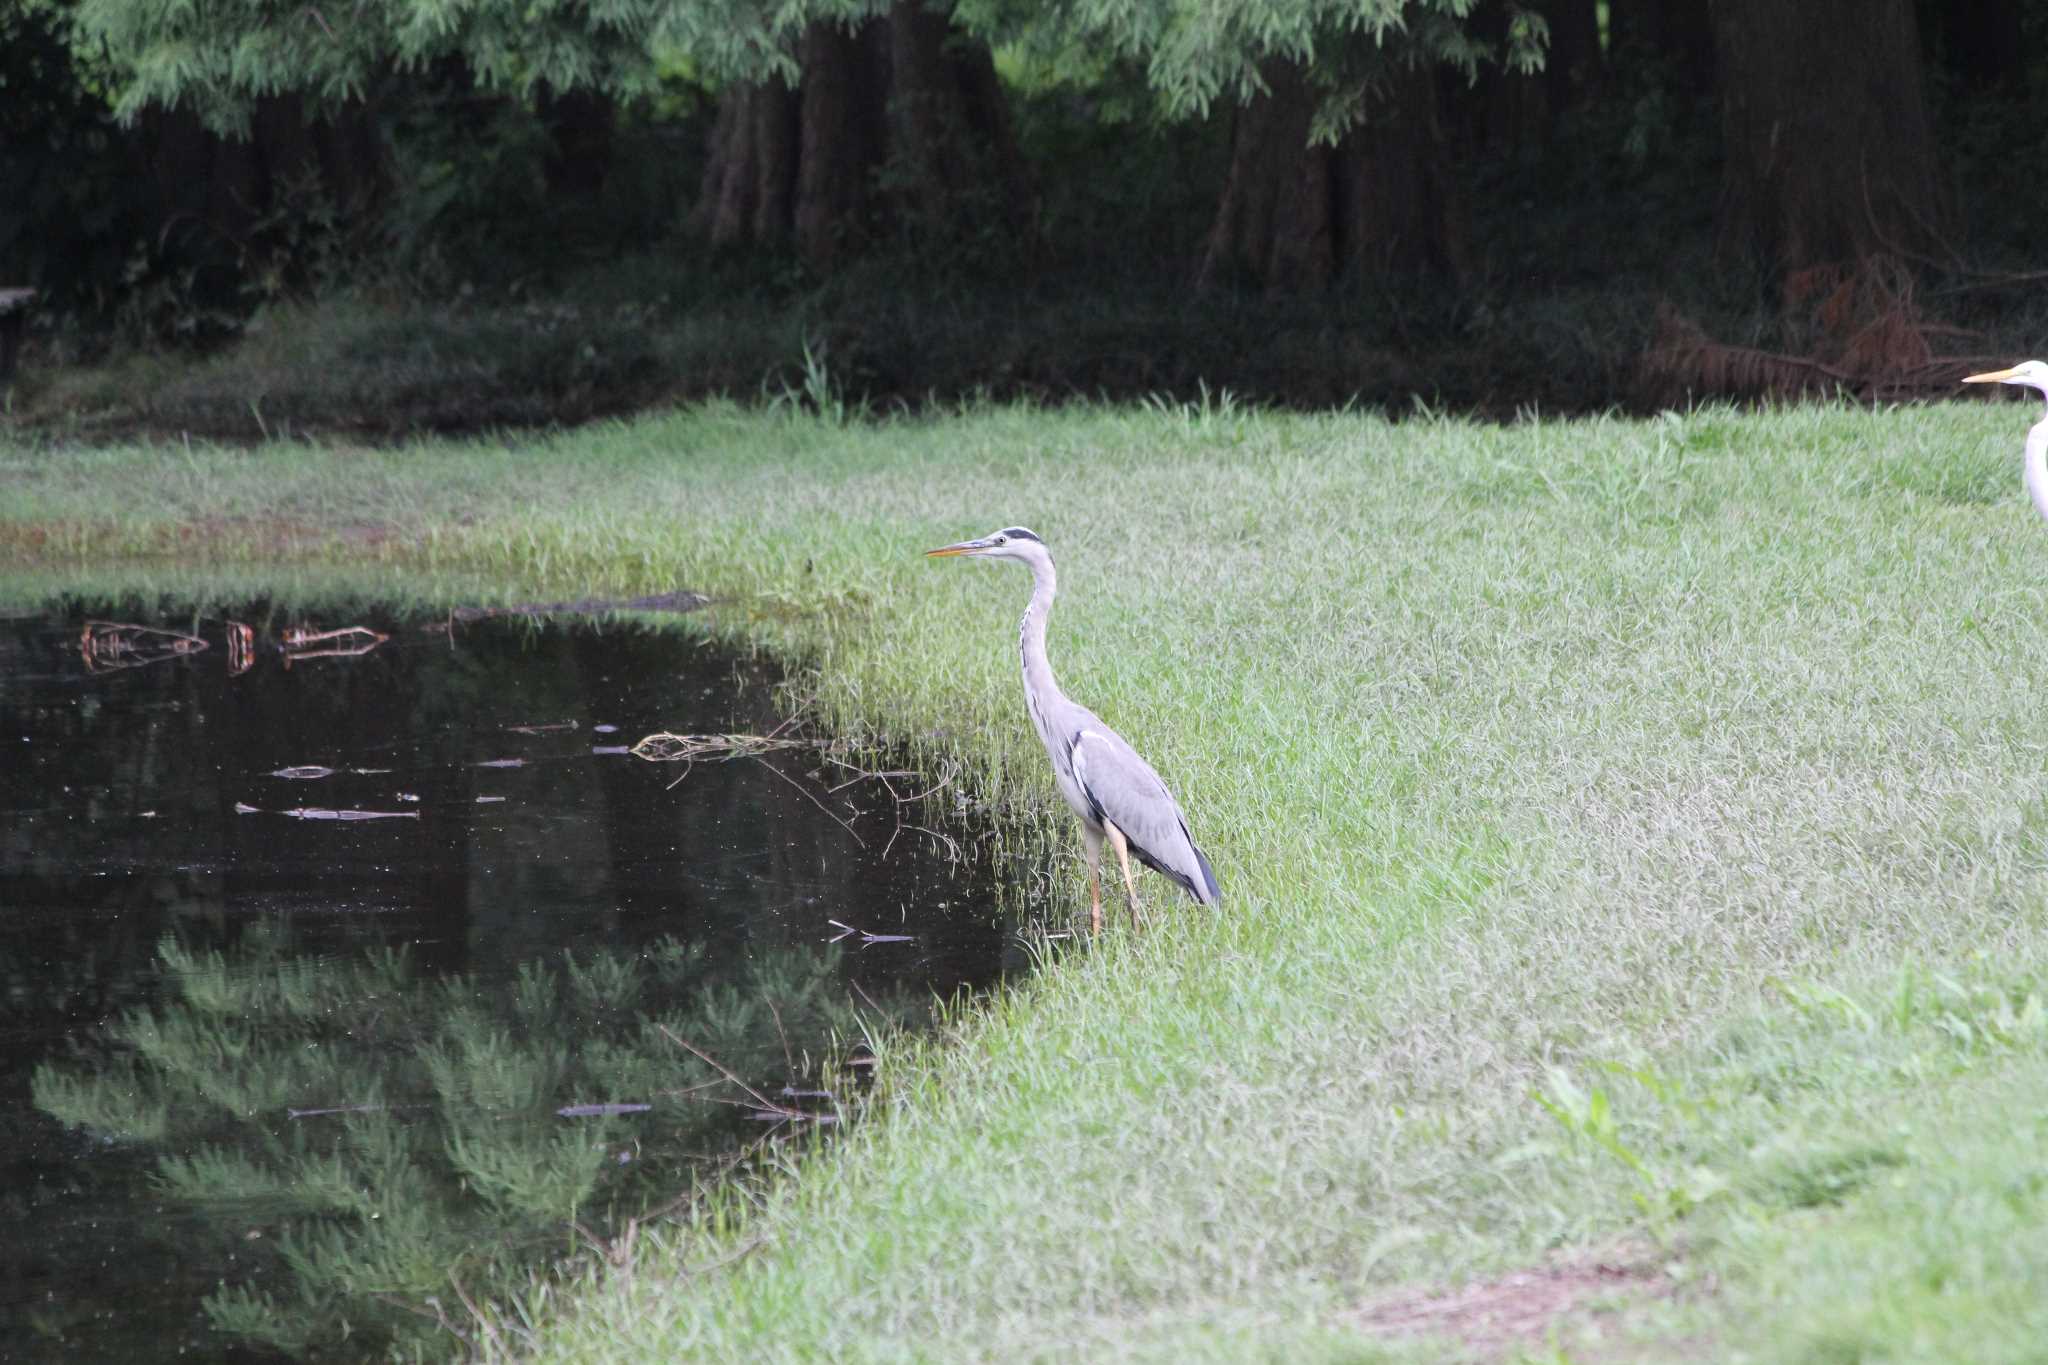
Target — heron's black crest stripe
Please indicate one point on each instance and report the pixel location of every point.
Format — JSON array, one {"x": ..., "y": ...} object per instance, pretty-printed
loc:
[
  {"x": 1018, "y": 533},
  {"x": 1094, "y": 807}
]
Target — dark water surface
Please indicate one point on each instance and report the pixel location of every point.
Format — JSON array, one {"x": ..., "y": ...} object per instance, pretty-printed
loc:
[{"x": 329, "y": 987}]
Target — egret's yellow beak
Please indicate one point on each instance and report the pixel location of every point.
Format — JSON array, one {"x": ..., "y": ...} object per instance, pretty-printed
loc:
[
  {"x": 961, "y": 548},
  {"x": 1991, "y": 377}
]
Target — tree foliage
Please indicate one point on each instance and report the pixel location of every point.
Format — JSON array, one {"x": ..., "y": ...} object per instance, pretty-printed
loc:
[
  {"x": 1197, "y": 56},
  {"x": 1289, "y": 146},
  {"x": 222, "y": 56}
]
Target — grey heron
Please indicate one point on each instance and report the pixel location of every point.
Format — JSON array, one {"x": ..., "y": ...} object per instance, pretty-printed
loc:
[
  {"x": 2034, "y": 375},
  {"x": 1115, "y": 793}
]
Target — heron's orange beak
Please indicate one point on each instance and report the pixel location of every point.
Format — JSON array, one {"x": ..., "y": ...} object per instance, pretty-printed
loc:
[
  {"x": 960, "y": 549},
  {"x": 1991, "y": 377}
]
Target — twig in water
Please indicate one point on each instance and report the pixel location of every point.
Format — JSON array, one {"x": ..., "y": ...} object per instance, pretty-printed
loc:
[
  {"x": 241, "y": 649},
  {"x": 109, "y": 645},
  {"x": 322, "y": 813},
  {"x": 860, "y": 774},
  {"x": 787, "y": 1060},
  {"x": 952, "y": 848},
  {"x": 663, "y": 747},
  {"x": 717, "y": 1066},
  {"x": 816, "y": 802},
  {"x": 349, "y": 1109},
  {"x": 873, "y": 1006},
  {"x": 346, "y": 642},
  {"x": 867, "y": 940},
  {"x": 490, "y": 1328}
]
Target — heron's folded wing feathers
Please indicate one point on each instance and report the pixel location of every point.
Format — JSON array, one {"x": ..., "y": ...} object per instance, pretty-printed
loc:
[{"x": 1130, "y": 795}]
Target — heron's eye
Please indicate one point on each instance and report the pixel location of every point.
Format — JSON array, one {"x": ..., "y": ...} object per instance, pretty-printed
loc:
[{"x": 1002, "y": 540}]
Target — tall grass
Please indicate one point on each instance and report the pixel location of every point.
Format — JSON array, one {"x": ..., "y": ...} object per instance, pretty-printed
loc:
[{"x": 1631, "y": 832}]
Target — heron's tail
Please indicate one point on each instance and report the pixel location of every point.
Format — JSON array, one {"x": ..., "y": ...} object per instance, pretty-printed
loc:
[
  {"x": 1207, "y": 893},
  {"x": 1199, "y": 881}
]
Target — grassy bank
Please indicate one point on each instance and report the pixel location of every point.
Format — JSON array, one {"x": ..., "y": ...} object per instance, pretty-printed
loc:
[{"x": 1634, "y": 838}]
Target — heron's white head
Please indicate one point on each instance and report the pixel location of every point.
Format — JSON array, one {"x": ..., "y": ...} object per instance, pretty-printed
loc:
[
  {"x": 2031, "y": 373},
  {"x": 1012, "y": 542}
]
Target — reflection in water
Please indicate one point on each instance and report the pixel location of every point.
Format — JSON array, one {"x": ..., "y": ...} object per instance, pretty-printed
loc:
[
  {"x": 371, "y": 1130},
  {"x": 272, "y": 1068}
]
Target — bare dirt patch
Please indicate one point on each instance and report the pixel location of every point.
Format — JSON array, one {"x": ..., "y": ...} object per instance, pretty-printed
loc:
[{"x": 1493, "y": 1318}]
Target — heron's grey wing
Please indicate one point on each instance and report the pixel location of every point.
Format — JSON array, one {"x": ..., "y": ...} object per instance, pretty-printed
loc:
[{"x": 1125, "y": 790}]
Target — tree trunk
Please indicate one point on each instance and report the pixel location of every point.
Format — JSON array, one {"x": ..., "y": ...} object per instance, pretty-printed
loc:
[
  {"x": 1829, "y": 153},
  {"x": 1277, "y": 189},
  {"x": 1401, "y": 214},
  {"x": 750, "y": 179},
  {"x": 225, "y": 190},
  {"x": 1573, "y": 63},
  {"x": 949, "y": 126},
  {"x": 579, "y": 124},
  {"x": 1298, "y": 217},
  {"x": 841, "y": 138},
  {"x": 1680, "y": 33},
  {"x": 1505, "y": 110},
  {"x": 897, "y": 125},
  {"x": 1981, "y": 45}
]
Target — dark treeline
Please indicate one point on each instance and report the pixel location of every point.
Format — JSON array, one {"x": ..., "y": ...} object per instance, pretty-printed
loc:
[{"x": 1558, "y": 201}]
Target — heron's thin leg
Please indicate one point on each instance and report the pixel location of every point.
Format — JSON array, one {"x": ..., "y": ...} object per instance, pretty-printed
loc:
[
  {"x": 1091, "y": 840},
  {"x": 1123, "y": 857}
]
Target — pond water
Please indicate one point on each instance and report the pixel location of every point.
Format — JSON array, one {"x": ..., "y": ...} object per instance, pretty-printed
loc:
[{"x": 346, "y": 975}]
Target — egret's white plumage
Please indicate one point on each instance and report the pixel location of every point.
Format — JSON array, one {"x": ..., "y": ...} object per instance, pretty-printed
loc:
[
  {"x": 2034, "y": 375},
  {"x": 1115, "y": 793}
]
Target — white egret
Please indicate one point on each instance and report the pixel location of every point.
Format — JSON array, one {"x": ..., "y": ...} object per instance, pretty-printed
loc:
[{"x": 2034, "y": 375}]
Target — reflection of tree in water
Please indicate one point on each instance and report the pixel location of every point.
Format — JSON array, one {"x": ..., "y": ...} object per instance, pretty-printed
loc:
[{"x": 382, "y": 1136}]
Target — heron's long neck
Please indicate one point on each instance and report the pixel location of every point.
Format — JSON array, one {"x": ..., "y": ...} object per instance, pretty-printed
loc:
[
  {"x": 1038, "y": 680},
  {"x": 2037, "y": 465}
]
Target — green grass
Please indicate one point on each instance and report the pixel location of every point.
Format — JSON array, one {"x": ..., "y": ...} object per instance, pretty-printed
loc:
[{"x": 1632, "y": 833}]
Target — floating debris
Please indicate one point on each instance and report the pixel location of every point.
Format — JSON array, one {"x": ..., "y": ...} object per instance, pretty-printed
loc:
[
  {"x": 502, "y": 763},
  {"x": 348, "y": 1109},
  {"x": 664, "y": 747},
  {"x": 322, "y": 813},
  {"x": 605, "y": 729},
  {"x": 110, "y": 645},
  {"x": 867, "y": 940},
  {"x": 488, "y": 800},
  {"x": 343, "y": 642},
  {"x": 241, "y": 648},
  {"x": 554, "y": 727},
  {"x": 600, "y": 1111},
  {"x": 605, "y": 750},
  {"x": 307, "y": 772}
]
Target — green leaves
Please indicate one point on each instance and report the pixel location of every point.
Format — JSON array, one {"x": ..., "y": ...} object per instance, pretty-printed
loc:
[{"x": 220, "y": 57}]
